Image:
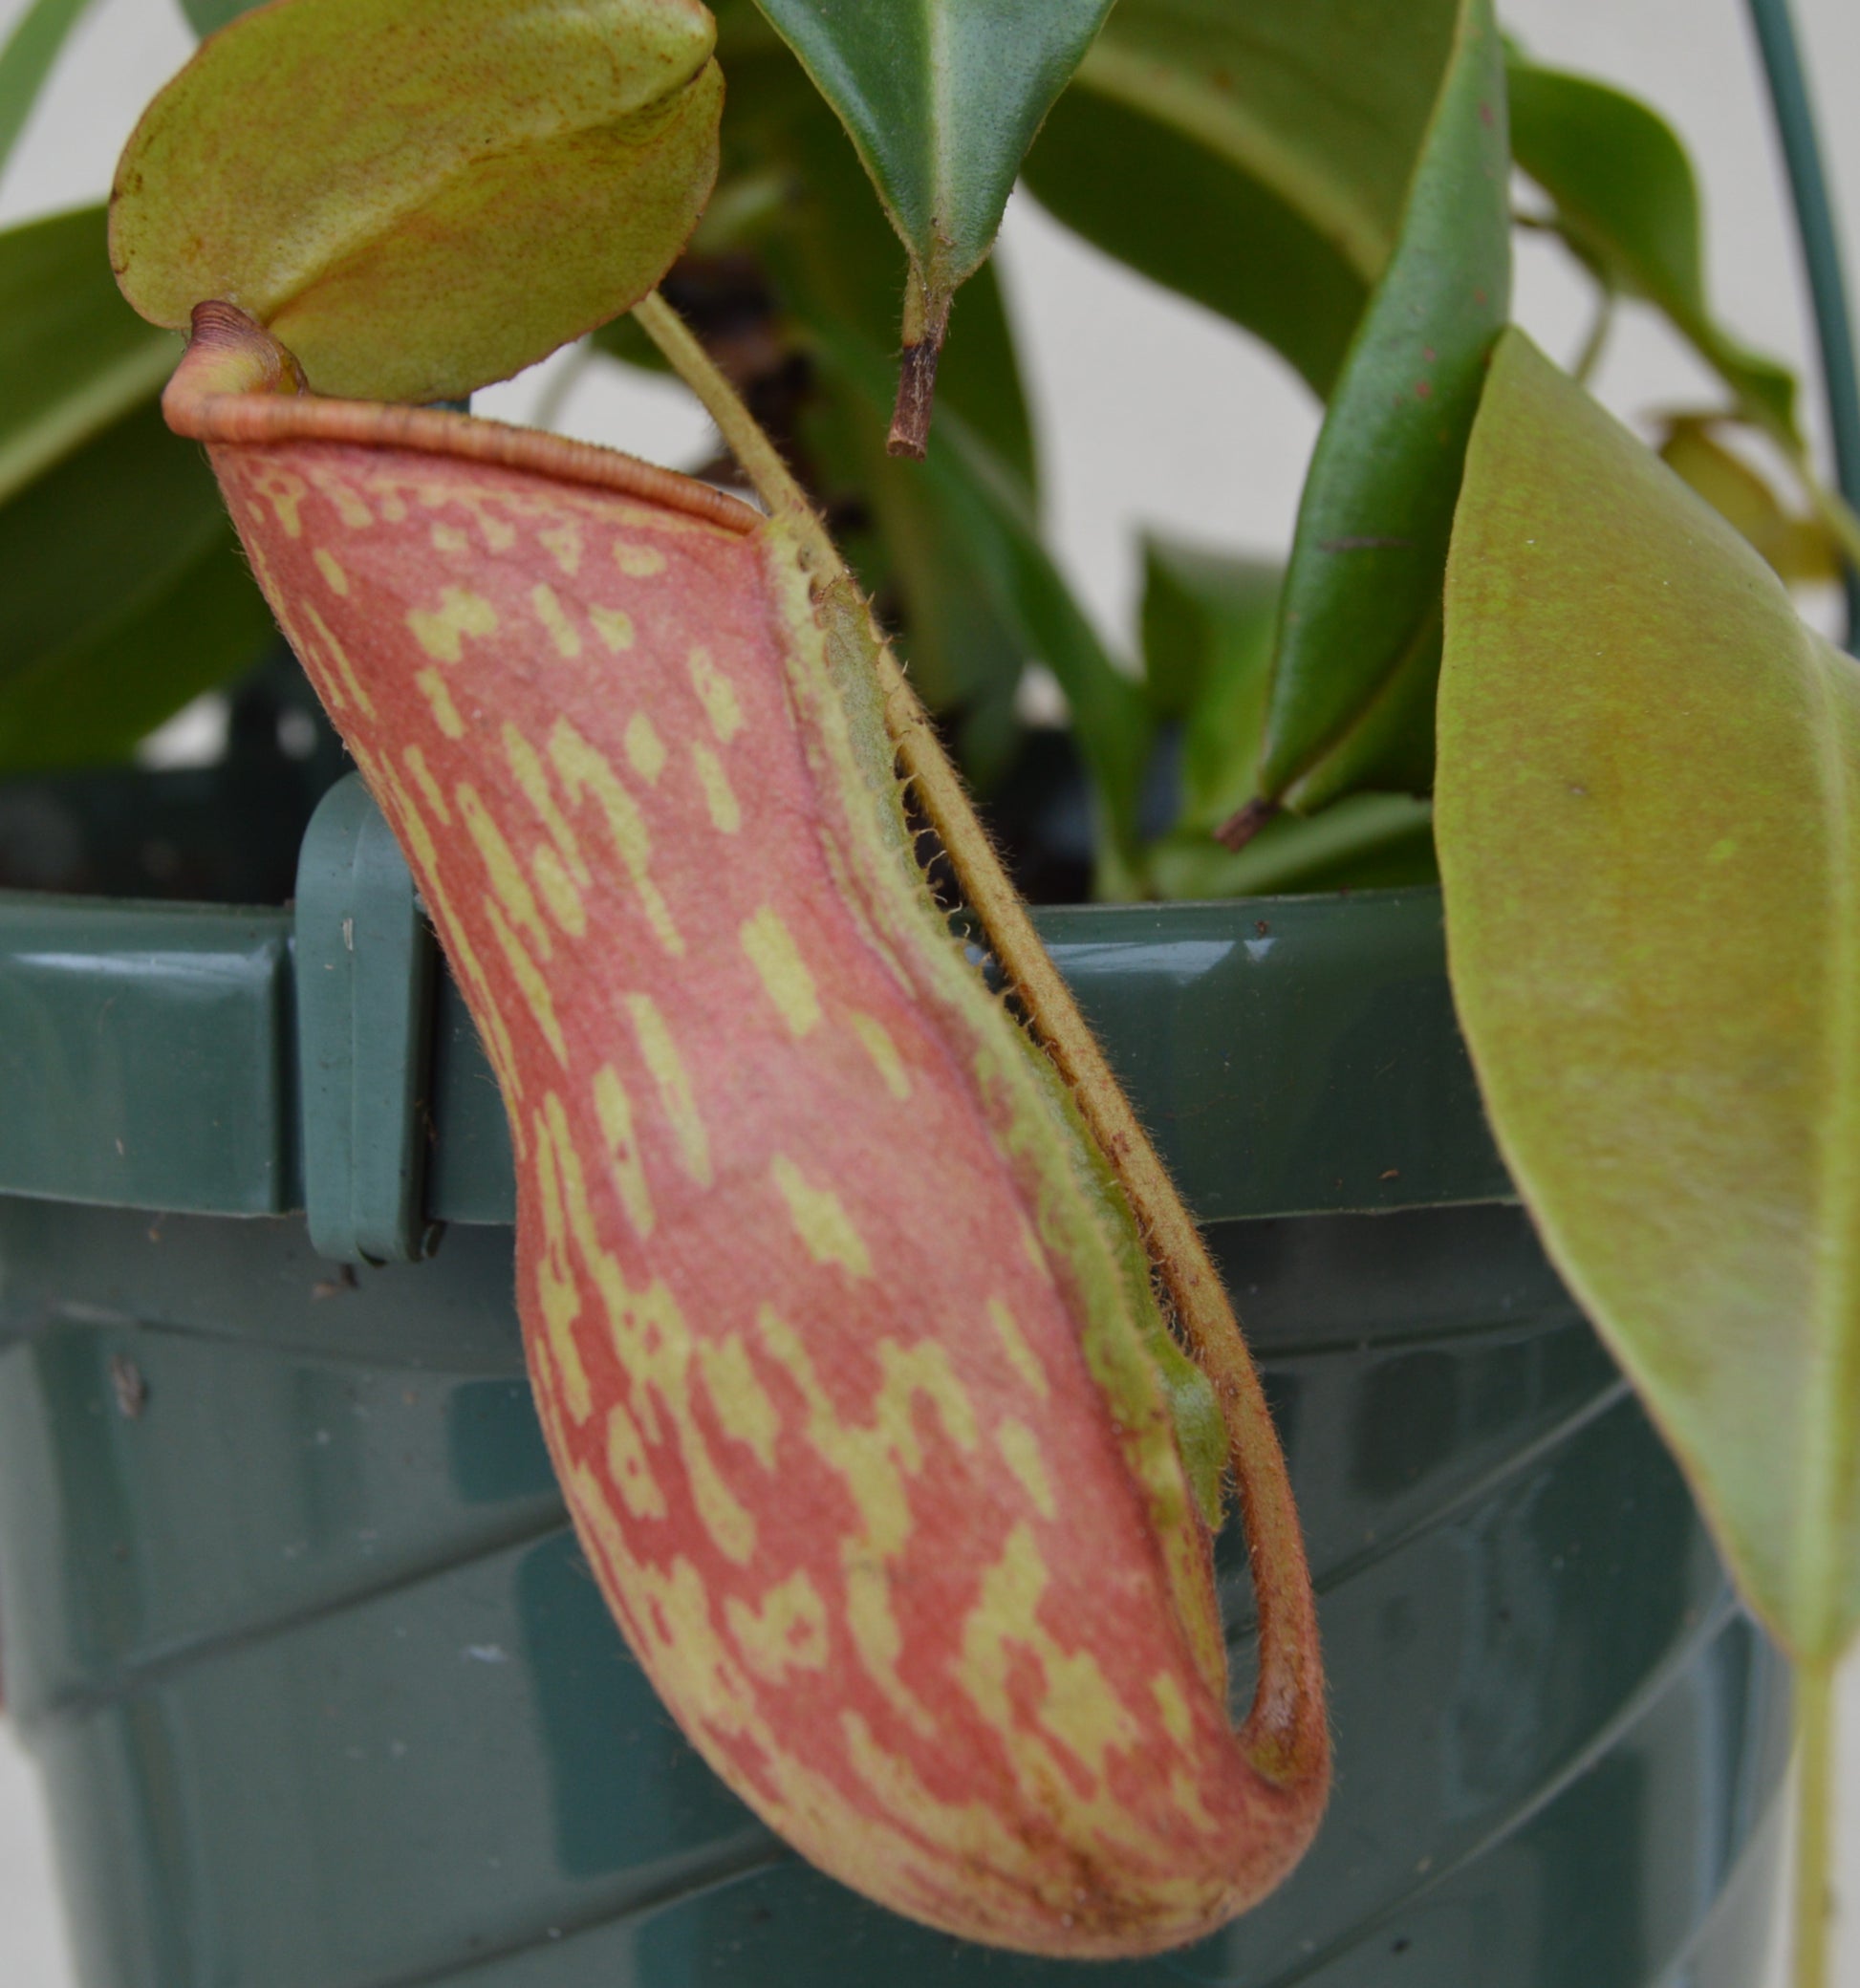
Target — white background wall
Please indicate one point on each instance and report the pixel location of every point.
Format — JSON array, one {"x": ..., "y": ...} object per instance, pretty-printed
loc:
[{"x": 1153, "y": 413}]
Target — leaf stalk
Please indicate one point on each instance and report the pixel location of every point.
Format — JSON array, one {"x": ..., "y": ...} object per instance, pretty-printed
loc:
[{"x": 1814, "y": 1838}]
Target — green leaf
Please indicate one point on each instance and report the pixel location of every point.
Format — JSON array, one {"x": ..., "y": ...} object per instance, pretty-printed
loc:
[
  {"x": 74, "y": 358},
  {"x": 965, "y": 654},
  {"x": 209, "y": 16},
  {"x": 564, "y": 155},
  {"x": 26, "y": 61},
  {"x": 1649, "y": 819},
  {"x": 1252, "y": 158},
  {"x": 1352, "y": 701},
  {"x": 941, "y": 102},
  {"x": 94, "y": 703},
  {"x": 122, "y": 595},
  {"x": 1628, "y": 204},
  {"x": 1162, "y": 203},
  {"x": 1207, "y": 647},
  {"x": 1111, "y": 722},
  {"x": 1209, "y": 623}
]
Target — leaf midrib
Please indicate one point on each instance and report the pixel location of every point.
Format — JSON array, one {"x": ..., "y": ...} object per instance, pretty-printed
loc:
[{"x": 942, "y": 187}]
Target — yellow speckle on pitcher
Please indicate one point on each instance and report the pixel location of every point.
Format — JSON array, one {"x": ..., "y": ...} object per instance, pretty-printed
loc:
[
  {"x": 820, "y": 1220},
  {"x": 441, "y": 631},
  {"x": 660, "y": 1054}
]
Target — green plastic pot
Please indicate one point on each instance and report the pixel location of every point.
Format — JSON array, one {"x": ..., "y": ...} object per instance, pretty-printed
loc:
[{"x": 323, "y": 1691}]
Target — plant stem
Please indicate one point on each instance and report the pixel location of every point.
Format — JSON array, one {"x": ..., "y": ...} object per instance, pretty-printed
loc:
[
  {"x": 1814, "y": 1835},
  {"x": 1590, "y": 355},
  {"x": 742, "y": 434},
  {"x": 1285, "y": 1732}
]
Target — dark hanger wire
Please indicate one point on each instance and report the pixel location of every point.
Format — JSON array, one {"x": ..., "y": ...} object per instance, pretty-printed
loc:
[{"x": 1821, "y": 256}]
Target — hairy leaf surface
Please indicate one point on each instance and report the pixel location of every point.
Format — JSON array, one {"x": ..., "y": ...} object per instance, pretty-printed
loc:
[
  {"x": 986, "y": 513},
  {"x": 827, "y": 251}
]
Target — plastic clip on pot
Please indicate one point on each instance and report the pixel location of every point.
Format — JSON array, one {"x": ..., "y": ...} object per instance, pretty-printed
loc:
[{"x": 364, "y": 958}]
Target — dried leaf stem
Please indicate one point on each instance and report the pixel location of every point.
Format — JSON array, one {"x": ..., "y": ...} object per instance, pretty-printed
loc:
[{"x": 926, "y": 320}]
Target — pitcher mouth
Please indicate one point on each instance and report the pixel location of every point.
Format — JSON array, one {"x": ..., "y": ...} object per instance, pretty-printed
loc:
[{"x": 237, "y": 385}]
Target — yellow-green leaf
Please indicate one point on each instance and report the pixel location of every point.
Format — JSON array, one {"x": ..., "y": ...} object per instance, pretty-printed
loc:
[
  {"x": 423, "y": 197},
  {"x": 1649, "y": 821},
  {"x": 1800, "y": 547}
]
